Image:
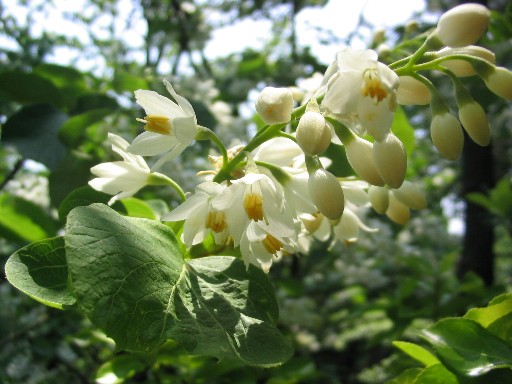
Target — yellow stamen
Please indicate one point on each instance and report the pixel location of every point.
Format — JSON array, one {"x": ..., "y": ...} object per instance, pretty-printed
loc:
[
  {"x": 373, "y": 87},
  {"x": 157, "y": 124},
  {"x": 271, "y": 244},
  {"x": 253, "y": 205},
  {"x": 216, "y": 221}
]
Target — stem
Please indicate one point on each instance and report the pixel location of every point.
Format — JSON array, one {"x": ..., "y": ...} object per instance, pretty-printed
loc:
[
  {"x": 17, "y": 167},
  {"x": 159, "y": 179},
  {"x": 344, "y": 134},
  {"x": 207, "y": 134}
]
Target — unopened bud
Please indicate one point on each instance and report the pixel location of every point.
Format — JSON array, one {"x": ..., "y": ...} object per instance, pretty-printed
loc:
[
  {"x": 412, "y": 92},
  {"x": 379, "y": 198},
  {"x": 499, "y": 81},
  {"x": 474, "y": 120},
  {"x": 390, "y": 160},
  {"x": 447, "y": 135},
  {"x": 326, "y": 193},
  {"x": 397, "y": 211},
  {"x": 464, "y": 68},
  {"x": 313, "y": 134},
  {"x": 360, "y": 157},
  {"x": 411, "y": 196},
  {"x": 275, "y": 105},
  {"x": 463, "y": 25}
]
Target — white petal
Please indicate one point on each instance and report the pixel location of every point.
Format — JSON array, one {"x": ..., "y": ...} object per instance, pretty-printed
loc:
[
  {"x": 151, "y": 144},
  {"x": 187, "y": 208},
  {"x": 183, "y": 103},
  {"x": 175, "y": 152},
  {"x": 155, "y": 104},
  {"x": 185, "y": 129}
]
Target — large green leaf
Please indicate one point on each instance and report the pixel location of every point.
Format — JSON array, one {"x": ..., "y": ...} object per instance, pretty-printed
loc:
[
  {"x": 467, "y": 348},
  {"x": 33, "y": 131},
  {"x": 84, "y": 196},
  {"x": 417, "y": 352},
  {"x": 22, "y": 220},
  {"x": 130, "y": 279},
  {"x": 436, "y": 374},
  {"x": 73, "y": 131},
  {"x": 40, "y": 271},
  {"x": 491, "y": 313},
  {"x": 28, "y": 88}
]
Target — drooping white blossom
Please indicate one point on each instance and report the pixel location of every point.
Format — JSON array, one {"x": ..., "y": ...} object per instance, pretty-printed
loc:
[
  {"x": 362, "y": 90},
  {"x": 120, "y": 178},
  {"x": 199, "y": 215},
  {"x": 170, "y": 127}
]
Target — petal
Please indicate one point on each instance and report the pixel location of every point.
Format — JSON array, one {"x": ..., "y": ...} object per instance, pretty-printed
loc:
[
  {"x": 175, "y": 152},
  {"x": 185, "y": 129},
  {"x": 183, "y": 103},
  {"x": 350, "y": 59},
  {"x": 187, "y": 208},
  {"x": 150, "y": 144},
  {"x": 155, "y": 104}
]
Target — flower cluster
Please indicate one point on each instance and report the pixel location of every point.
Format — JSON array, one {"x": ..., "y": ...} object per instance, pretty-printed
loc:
[{"x": 277, "y": 194}]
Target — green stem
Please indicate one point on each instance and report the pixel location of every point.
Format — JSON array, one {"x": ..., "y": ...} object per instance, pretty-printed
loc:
[
  {"x": 344, "y": 134},
  {"x": 207, "y": 134},
  {"x": 156, "y": 178}
]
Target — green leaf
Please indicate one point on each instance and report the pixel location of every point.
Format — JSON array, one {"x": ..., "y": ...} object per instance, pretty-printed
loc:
[
  {"x": 84, "y": 196},
  {"x": 33, "y": 131},
  {"x": 486, "y": 316},
  {"x": 22, "y": 220},
  {"x": 467, "y": 348},
  {"x": 125, "y": 81},
  {"x": 29, "y": 88},
  {"x": 120, "y": 368},
  {"x": 138, "y": 208},
  {"x": 403, "y": 130},
  {"x": 70, "y": 81},
  {"x": 130, "y": 279},
  {"x": 91, "y": 101},
  {"x": 73, "y": 131},
  {"x": 417, "y": 352},
  {"x": 406, "y": 377},
  {"x": 39, "y": 270},
  {"x": 436, "y": 374}
]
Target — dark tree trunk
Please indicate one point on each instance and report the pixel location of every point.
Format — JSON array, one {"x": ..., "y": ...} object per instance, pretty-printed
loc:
[{"x": 477, "y": 176}]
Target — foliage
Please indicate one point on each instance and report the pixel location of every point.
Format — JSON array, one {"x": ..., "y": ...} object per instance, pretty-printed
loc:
[{"x": 127, "y": 299}]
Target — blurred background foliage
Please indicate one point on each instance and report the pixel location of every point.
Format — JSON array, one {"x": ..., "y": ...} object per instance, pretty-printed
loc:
[{"x": 342, "y": 306}]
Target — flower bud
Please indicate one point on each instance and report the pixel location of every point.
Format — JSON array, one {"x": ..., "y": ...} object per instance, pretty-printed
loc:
[
  {"x": 379, "y": 198},
  {"x": 313, "y": 134},
  {"x": 390, "y": 160},
  {"x": 411, "y": 196},
  {"x": 474, "y": 120},
  {"x": 447, "y": 135},
  {"x": 360, "y": 157},
  {"x": 464, "y": 68},
  {"x": 397, "y": 211},
  {"x": 499, "y": 81},
  {"x": 412, "y": 92},
  {"x": 275, "y": 105},
  {"x": 326, "y": 193},
  {"x": 463, "y": 25}
]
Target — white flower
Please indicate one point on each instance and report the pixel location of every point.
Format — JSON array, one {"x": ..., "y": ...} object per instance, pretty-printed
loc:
[
  {"x": 347, "y": 230},
  {"x": 463, "y": 25},
  {"x": 254, "y": 197},
  {"x": 361, "y": 89},
  {"x": 390, "y": 160},
  {"x": 260, "y": 244},
  {"x": 464, "y": 68},
  {"x": 170, "y": 127},
  {"x": 313, "y": 134},
  {"x": 199, "y": 215},
  {"x": 474, "y": 120},
  {"x": 120, "y": 178},
  {"x": 275, "y": 105},
  {"x": 326, "y": 193},
  {"x": 412, "y": 92},
  {"x": 447, "y": 135}
]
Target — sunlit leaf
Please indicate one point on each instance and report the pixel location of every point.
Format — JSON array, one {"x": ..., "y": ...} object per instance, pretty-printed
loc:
[
  {"x": 417, "y": 352},
  {"x": 467, "y": 348},
  {"x": 130, "y": 279},
  {"x": 436, "y": 374}
]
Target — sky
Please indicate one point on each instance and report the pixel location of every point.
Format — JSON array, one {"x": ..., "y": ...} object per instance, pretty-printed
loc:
[{"x": 339, "y": 17}]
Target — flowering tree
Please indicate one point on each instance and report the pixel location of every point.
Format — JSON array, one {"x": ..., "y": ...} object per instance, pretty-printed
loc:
[{"x": 265, "y": 202}]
